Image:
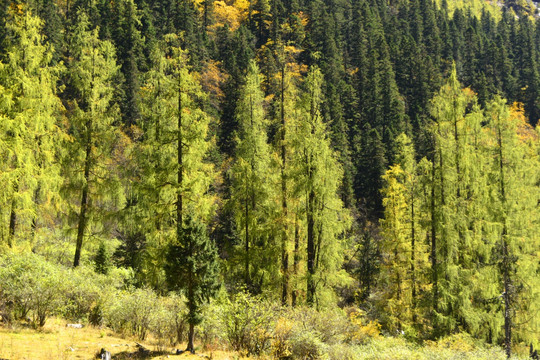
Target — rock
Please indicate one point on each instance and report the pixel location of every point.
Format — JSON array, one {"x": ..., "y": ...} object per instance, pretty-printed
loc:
[
  {"x": 74, "y": 326},
  {"x": 104, "y": 355},
  {"x": 179, "y": 352}
]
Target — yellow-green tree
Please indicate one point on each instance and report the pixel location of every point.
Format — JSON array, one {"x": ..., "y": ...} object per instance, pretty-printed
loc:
[
  {"x": 404, "y": 264},
  {"x": 514, "y": 196},
  {"x": 29, "y": 132},
  {"x": 318, "y": 176},
  {"x": 174, "y": 176},
  {"x": 253, "y": 187},
  {"x": 91, "y": 177}
]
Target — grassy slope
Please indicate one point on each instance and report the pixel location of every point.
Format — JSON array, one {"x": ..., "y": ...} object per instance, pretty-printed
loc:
[{"x": 56, "y": 341}]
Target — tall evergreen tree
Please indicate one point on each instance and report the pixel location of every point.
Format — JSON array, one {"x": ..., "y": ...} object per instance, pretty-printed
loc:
[
  {"x": 318, "y": 178},
  {"x": 192, "y": 266}
]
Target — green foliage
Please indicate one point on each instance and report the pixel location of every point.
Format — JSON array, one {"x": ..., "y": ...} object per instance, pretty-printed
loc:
[
  {"x": 169, "y": 159},
  {"x": 29, "y": 132},
  {"x": 29, "y": 284},
  {"x": 192, "y": 267},
  {"x": 317, "y": 176},
  {"x": 91, "y": 188},
  {"x": 248, "y": 323},
  {"x": 102, "y": 260},
  {"x": 254, "y": 188}
]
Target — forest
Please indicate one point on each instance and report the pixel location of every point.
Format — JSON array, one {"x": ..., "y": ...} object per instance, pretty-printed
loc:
[{"x": 373, "y": 162}]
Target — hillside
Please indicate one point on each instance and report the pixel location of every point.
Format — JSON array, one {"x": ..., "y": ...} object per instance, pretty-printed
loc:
[{"x": 374, "y": 159}]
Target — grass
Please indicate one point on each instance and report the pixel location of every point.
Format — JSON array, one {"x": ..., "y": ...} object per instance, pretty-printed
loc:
[{"x": 56, "y": 341}]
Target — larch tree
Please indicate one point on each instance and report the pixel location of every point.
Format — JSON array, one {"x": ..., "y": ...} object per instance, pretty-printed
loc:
[
  {"x": 513, "y": 211},
  {"x": 91, "y": 181},
  {"x": 318, "y": 176},
  {"x": 171, "y": 151},
  {"x": 253, "y": 183},
  {"x": 405, "y": 252},
  {"x": 29, "y": 131}
]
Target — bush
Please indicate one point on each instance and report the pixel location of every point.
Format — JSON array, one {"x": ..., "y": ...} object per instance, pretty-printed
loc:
[
  {"x": 249, "y": 323},
  {"x": 212, "y": 329},
  {"x": 331, "y": 326},
  {"x": 169, "y": 319},
  {"x": 308, "y": 345},
  {"x": 31, "y": 286},
  {"x": 87, "y": 294},
  {"x": 132, "y": 312}
]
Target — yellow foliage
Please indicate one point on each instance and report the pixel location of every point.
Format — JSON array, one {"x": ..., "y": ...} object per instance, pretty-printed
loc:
[
  {"x": 525, "y": 131},
  {"x": 212, "y": 78},
  {"x": 461, "y": 342},
  {"x": 281, "y": 348},
  {"x": 230, "y": 14},
  {"x": 363, "y": 329}
]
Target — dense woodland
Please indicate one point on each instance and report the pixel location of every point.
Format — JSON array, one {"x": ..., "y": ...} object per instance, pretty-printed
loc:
[{"x": 375, "y": 153}]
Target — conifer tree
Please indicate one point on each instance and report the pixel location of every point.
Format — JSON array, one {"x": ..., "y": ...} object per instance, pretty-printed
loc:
[
  {"x": 91, "y": 178},
  {"x": 192, "y": 266},
  {"x": 405, "y": 253},
  {"x": 29, "y": 131},
  {"x": 513, "y": 211},
  {"x": 253, "y": 182},
  {"x": 318, "y": 176},
  {"x": 175, "y": 177}
]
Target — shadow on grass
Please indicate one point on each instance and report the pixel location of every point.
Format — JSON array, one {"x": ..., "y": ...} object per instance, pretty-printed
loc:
[{"x": 139, "y": 354}]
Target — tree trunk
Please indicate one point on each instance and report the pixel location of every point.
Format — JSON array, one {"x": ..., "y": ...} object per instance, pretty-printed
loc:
[
  {"x": 180, "y": 175},
  {"x": 505, "y": 255},
  {"x": 310, "y": 296},
  {"x": 81, "y": 227},
  {"x": 284, "y": 239},
  {"x": 296, "y": 257},
  {"x": 413, "y": 259},
  {"x": 434, "y": 269},
  {"x": 246, "y": 274},
  {"x": 13, "y": 216},
  {"x": 191, "y": 337}
]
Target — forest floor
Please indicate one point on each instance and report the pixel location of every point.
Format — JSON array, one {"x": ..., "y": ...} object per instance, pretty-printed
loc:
[{"x": 59, "y": 342}]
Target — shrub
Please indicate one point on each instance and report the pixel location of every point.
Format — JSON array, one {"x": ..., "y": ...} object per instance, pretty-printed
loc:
[
  {"x": 362, "y": 329},
  {"x": 212, "y": 329},
  {"x": 86, "y": 294},
  {"x": 31, "y": 285},
  {"x": 131, "y": 312},
  {"x": 169, "y": 319},
  {"x": 332, "y": 325},
  {"x": 281, "y": 342},
  {"x": 249, "y": 323},
  {"x": 308, "y": 345}
]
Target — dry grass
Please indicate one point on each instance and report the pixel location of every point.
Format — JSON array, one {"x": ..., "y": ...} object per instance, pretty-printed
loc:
[{"x": 56, "y": 341}]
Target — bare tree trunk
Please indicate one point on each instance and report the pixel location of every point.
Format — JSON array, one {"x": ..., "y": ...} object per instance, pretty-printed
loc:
[
  {"x": 284, "y": 235},
  {"x": 81, "y": 227}
]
